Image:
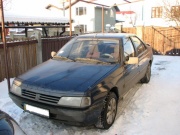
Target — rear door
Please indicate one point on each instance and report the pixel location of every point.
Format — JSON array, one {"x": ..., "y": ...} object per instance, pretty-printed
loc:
[{"x": 142, "y": 54}]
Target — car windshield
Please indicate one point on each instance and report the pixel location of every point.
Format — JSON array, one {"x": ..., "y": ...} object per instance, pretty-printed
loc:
[{"x": 91, "y": 50}]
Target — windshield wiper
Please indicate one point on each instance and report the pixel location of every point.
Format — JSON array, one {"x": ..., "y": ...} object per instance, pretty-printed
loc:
[
  {"x": 112, "y": 62},
  {"x": 63, "y": 58},
  {"x": 91, "y": 60}
]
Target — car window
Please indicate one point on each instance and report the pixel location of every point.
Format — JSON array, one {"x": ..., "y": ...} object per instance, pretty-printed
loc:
[
  {"x": 105, "y": 50},
  {"x": 139, "y": 45},
  {"x": 128, "y": 48}
]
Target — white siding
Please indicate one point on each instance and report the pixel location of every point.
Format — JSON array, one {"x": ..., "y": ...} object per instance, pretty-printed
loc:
[
  {"x": 143, "y": 12},
  {"x": 83, "y": 19}
]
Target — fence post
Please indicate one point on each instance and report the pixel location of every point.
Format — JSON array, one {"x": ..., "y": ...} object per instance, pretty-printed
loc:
[
  {"x": 38, "y": 47},
  {"x": 152, "y": 39},
  {"x": 139, "y": 32}
]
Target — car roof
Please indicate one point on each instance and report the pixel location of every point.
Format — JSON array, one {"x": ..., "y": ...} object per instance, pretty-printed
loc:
[{"x": 106, "y": 35}]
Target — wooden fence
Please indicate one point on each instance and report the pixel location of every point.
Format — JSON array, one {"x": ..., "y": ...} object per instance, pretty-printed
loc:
[
  {"x": 52, "y": 44},
  {"x": 21, "y": 57},
  {"x": 164, "y": 40}
]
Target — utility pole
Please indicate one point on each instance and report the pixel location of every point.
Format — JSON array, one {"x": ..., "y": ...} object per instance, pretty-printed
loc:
[
  {"x": 63, "y": 9},
  {"x": 70, "y": 18},
  {"x": 4, "y": 44},
  {"x": 102, "y": 19}
]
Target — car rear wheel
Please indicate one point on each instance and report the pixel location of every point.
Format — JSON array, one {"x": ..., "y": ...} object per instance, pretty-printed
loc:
[
  {"x": 147, "y": 76},
  {"x": 108, "y": 113}
]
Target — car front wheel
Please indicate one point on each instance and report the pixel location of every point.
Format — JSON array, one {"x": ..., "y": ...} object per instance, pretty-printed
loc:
[{"x": 108, "y": 113}]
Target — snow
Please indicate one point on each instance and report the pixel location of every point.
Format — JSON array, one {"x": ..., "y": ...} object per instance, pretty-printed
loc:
[
  {"x": 32, "y": 11},
  {"x": 147, "y": 109}
]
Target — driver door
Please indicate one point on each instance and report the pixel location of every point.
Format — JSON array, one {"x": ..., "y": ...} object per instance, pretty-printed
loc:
[{"x": 130, "y": 70}]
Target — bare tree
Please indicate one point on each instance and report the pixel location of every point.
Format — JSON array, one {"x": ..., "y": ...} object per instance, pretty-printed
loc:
[
  {"x": 133, "y": 19},
  {"x": 172, "y": 11}
]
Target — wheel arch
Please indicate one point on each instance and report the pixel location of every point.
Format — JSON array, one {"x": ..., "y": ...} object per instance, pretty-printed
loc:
[
  {"x": 150, "y": 62},
  {"x": 115, "y": 90}
]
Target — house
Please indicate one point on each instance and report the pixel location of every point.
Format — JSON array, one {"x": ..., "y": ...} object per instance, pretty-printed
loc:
[
  {"x": 147, "y": 13},
  {"x": 87, "y": 16}
]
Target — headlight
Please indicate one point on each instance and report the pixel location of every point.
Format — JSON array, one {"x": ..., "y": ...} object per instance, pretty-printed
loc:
[
  {"x": 17, "y": 82},
  {"x": 16, "y": 89},
  {"x": 75, "y": 101}
]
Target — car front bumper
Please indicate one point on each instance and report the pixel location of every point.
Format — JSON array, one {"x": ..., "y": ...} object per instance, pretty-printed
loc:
[{"x": 72, "y": 116}]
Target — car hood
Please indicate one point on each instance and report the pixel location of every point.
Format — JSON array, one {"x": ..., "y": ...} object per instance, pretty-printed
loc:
[{"x": 66, "y": 76}]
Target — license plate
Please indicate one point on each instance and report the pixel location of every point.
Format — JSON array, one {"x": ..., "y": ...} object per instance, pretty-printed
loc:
[{"x": 36, "y": 110}]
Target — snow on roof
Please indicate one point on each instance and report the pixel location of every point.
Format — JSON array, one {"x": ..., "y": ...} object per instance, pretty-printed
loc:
[
  {"x": 31, "y": 18},
  {"x": 32, "y": 11}
]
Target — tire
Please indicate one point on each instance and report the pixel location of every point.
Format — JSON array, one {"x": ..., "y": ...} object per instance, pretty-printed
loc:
[
  {"x": 6, "y": 126},
  {"x": 108, "y": 113},
  {"x": 147, "y": 76}
]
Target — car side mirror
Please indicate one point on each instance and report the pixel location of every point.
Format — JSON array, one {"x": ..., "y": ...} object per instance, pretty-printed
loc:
[
  {"x": 53, "y": 53},
  {"x": 132, "y": 60}
]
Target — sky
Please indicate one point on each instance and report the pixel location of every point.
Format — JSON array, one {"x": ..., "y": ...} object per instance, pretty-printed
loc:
[{"x": 147, "y": 109}]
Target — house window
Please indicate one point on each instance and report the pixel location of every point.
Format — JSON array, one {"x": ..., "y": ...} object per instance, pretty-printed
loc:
[
  {"x": 85, "y": 28},
  {"x": 81, "y": 11},
  {"x": 156, "y": 12},
  {"x": 138, "y": 45},
  {"x": 128, "y": 48},
  {"x": 175, "y": 11},
  {"x": 111, "y": 13},
  {"x": 77, "y": 11},
  {"x": 82, "y": 28}
]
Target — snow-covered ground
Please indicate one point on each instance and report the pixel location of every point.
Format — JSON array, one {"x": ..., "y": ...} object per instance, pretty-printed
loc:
[{"x": 148, "y": 109}]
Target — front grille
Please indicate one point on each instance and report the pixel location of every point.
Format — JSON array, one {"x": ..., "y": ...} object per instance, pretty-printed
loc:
[
  {"x": 47, "y": 98},
  {"x": 28, "y": 94},
  {"x": 40, "y": 97}
]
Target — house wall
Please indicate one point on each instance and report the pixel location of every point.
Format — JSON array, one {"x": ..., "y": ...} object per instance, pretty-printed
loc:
[
  {"x": 109, "y": 18},
  {"x": 159, "y": 21},
  {"x": 142, "y": 14},
  {"x": 130, "y": 20},
  {"x": 93, "y": 17},
  {"x": 87, "y": 19},
  {"x": 148, "y": 20}
]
